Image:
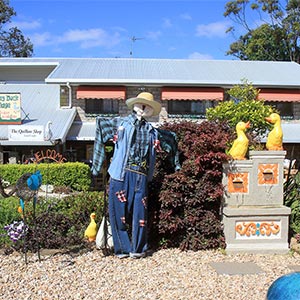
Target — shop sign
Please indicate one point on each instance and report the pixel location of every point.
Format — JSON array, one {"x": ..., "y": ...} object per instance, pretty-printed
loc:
[
  {"x": 26, "y": 133},
  {"x": 10, "y": 108}
]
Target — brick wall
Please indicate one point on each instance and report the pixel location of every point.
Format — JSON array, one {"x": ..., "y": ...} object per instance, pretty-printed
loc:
[
  {"x": 133, "y": 91},
  {"x": 296, "y": 110}
]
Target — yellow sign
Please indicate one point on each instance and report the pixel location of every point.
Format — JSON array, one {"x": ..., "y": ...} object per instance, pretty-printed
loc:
[{"x": 10, "y": 108}]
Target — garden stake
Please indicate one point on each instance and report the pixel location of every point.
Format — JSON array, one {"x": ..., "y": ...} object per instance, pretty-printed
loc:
[
  {"x": 34, "y": 182},
  {"x": 22, "y": 204},
  {"x": 105, "y": 250},
  {"x": 35, "y": 226}
]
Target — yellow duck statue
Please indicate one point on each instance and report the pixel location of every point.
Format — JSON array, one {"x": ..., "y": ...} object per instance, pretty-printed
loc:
[
  {"x": 274, "y": 139},
  {"x": 91, "y": 230},
  {"x": 239, "y": 147}
]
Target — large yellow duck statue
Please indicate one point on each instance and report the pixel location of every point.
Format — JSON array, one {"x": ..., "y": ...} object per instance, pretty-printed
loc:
[
  {"x": 274, "y": 139},
  {"x": 239, "y": 147},
  {"x": 91, "y": 230}
]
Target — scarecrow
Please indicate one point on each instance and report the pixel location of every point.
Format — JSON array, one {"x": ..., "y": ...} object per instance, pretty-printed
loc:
[{"x": 131, "y": 169}]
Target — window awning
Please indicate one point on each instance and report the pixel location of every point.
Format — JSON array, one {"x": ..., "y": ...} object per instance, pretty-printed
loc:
[
  {"x": 279, "y": 95},
  {"x": 192, "y": 94},
  {"x": 101, "y": 92}
]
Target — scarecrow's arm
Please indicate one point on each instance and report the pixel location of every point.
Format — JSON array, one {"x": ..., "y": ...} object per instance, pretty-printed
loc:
[
  {"x": 105, "y": 130},
  {"x": 169, "y": 144}
]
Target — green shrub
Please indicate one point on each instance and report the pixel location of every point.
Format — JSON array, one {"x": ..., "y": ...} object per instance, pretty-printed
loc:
[
  {"x": 292, "y": 200},
  {"x": 60, "y": 222},
  {"x": 243, "y": 105},
  {"x": 76, "y": 175}
]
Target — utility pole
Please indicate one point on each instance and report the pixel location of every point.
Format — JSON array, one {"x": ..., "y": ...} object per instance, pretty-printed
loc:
[{"x": 133, "y": 40}]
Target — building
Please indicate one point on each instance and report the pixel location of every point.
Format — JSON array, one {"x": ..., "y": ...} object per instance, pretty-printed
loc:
[{"x": 51, "y": 103}]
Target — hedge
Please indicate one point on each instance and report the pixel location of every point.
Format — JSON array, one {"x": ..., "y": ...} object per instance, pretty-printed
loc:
[{"x": 75, "y": 175}]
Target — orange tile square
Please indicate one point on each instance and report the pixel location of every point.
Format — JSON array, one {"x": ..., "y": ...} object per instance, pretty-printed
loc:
[
  {"x": 238, "y": 182},
  {"x": 268, "y": 174}
]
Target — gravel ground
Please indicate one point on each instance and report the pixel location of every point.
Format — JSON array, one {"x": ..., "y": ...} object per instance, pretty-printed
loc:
[{"x": 167, "y": 274}]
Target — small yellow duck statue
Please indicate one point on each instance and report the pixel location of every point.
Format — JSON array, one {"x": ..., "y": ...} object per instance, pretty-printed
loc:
[
  {"x": 274, "y": 139},
  {"x": 239, "y": 147},
  {"x": 91, "y": 230}
]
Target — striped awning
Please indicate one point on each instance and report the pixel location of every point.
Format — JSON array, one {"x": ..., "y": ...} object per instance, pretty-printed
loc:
[
  {"x": 282, "y": 95},
  {"x": 101, "y": 92},
  {"x": 170, "y": 93}
]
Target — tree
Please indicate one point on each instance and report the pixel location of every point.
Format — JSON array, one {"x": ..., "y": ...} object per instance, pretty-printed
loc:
[
  {"x": 278, "y": 38},
  {"x": 12, "y": 41},
  {"x": 243, "y": 105},
  {"x": 264, "y": 43}
]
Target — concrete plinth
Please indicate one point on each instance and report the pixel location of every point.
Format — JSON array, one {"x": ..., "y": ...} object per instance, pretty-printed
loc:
[
  {"x": 254, "y": 217},
  {"x": 267, "y": 182},
  {"x": 256, "y": 229}
]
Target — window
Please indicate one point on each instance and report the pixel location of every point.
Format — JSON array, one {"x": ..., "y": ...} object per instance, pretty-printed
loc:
[
  {"x": 285, "y": 108},
  {"x": 188, "y": 108},
  {"x": 101, "y": 106},
  {"x": 64, "y": 95}
]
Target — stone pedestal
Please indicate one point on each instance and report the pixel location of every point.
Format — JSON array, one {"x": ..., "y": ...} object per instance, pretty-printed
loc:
[{"x": 254, "y": 217}]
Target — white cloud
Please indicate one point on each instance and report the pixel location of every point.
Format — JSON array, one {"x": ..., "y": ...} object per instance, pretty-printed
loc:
[
  {"x": 78, "y": 35},
  {"x": 172, "y": 48},
  {"x": 26, "y": 25},
  {"x": 167, "y": 23},
  {"x": 119, "y": 29},
  {"x": 197, "y": 55},
  {"x": 105, "y": 40},
  {"x": 154, "y": 35},
  {"x": 185, "y": 17},
  {"x": 42, "y": 39},
  {"x": 212, "y": 29},
  {"x": 87, "y": 38}
]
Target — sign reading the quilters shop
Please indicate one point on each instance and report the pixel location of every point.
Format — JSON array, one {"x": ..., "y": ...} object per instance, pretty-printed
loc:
[
  {"x": 10, "y": 108},
  {"x": 25, "y": 133}
]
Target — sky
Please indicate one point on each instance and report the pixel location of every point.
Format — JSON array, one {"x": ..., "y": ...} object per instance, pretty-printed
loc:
[{"x": 175, "y": 29}]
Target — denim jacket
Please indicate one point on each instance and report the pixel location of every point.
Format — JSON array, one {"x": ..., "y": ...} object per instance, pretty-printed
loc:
[
  {"x": 121, "y": 131},
  {"x": 122, "y": 148}
]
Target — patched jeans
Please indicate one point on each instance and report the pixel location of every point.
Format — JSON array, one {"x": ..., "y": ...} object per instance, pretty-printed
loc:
[{"x": 128, "y": 213}]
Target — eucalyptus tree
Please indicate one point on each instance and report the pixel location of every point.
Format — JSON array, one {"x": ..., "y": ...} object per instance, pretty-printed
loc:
[
  {"x": 271, "y": 29},
  {"x": 12, "y": 41}
]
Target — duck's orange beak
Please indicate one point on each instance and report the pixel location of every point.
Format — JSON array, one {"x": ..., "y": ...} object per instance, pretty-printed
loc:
[
  {"x": 248, "y": 124},
  {"x": 268, "y": 119}
]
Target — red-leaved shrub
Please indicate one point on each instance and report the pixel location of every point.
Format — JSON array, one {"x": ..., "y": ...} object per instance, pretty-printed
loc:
[{"x": 185, "y": 206}]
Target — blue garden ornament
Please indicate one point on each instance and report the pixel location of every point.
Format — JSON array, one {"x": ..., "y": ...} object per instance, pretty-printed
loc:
[
  {"x": 35, "y": 181},
  {"x": 22, "y": 204},
  {"x": 286, "y": 287}
]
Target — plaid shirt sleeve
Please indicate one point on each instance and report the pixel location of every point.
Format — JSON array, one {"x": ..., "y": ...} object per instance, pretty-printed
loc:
[
  {"x": 105, "y": 130},
  {"x": 169, "y": 144}
]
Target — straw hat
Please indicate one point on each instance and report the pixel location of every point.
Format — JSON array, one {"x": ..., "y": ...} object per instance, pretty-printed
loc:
[{"x": 147, "y": 99}]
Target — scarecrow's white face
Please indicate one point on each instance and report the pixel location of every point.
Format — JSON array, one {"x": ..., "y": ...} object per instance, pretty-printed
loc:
[{"x": 142, "y": 110}]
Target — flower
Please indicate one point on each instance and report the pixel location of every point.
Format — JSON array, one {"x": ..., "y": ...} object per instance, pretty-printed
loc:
[{"x": 16, "y": 230}]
